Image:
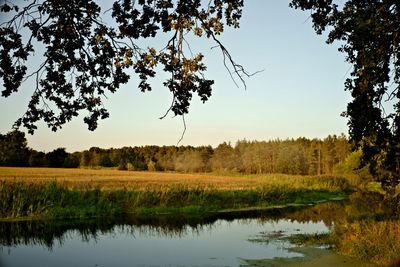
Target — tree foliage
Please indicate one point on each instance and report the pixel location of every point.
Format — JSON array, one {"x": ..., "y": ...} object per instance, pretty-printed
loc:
[
  {"x": 13, "y": 149},
  {"x": 369, "y": 34},
  {"x": 89, "y": 52},
  {"x": 56, "y": 157}
]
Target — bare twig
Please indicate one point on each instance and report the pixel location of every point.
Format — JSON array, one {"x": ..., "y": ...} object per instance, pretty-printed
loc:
[
  {"x": 169, "y": 109},
  {"x": 184, "y": 129}
]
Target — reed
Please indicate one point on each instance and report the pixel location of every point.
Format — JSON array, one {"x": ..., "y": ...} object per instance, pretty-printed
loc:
[
  {"x": 377, "y": 242},
  {"x": 54, "y": 200}
]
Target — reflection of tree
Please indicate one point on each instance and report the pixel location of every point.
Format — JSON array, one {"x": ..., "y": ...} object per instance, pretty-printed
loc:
[
  {"x": 326, "y": 212},
  {"x": 360, "y": 205},
  {"x": 371, "y": 206},
  {"x": 48, "y": 233}
]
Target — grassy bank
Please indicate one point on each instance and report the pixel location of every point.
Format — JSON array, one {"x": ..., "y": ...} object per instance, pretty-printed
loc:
[
  {"x": 54, "y": 200},
  {"x": 374, "y": 242},
  {"x": 377, "y": 242}
]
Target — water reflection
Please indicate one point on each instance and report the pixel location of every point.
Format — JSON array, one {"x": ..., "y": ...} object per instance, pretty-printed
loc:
[
  {"x": 163, "y": 241},
  {"x": 49, "y": 233}
]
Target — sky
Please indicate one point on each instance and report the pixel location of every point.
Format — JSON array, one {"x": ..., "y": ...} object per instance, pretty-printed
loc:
[{"x": 299, "y": 93}]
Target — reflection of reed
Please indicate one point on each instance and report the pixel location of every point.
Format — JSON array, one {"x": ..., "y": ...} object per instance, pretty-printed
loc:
[{"x": 50, "y": 233}]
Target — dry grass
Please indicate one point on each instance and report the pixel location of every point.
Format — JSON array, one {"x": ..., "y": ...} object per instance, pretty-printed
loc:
[
  {"x": 375, "y": 242},
  {"x": 116, "y": 179},
  {"x": 110, "y": 179}
]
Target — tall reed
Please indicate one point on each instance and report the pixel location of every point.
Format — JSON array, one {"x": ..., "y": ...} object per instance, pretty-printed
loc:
[
  {"x": 370, "y": 241},
  {"x": 19, "y": 199}
]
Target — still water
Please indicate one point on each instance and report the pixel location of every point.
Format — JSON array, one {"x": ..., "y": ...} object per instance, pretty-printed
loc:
[{"x": 164, "y": 241}]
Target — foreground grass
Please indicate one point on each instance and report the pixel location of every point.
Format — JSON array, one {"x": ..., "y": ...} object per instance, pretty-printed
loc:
[{"x": 377, "y": 242}]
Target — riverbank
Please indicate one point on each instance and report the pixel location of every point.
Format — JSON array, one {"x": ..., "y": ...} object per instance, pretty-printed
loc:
[
  {"x": 50, "y": 200},
  {"x": 312, "y": 256},
  {"x": 64, "y": 193}
]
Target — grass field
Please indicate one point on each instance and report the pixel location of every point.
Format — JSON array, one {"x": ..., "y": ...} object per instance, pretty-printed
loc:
[{"x": 116, "y": 179}]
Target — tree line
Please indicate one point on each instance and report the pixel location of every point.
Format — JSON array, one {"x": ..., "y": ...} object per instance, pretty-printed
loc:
[
  {"x": 14, "y": 151},
  {"x": 291, "y": 156}
]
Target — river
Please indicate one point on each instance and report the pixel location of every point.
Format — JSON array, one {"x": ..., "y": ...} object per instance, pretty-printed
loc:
[{"x": 215, "y": 240}]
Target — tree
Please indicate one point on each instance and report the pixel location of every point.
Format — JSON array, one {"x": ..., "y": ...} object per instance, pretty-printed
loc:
[
  {"x": 291, "y": 159},
  {"x": 254, "y": 157},
  {"x": 84, "y": 159},
  {"x": 190, "y": 160},
  {"x": 224, "y": 158},
  {"x": 85, "y": 58},
  {"x": 105, "y": 160},
  {"x": 13, "y": 149},
  {"x": 166, "y": 158},
  {"x": 71, "y": 161},
  {"x": 56, "y": 158},
  {"x": 369, "y": 32},
  {"x": 37, "y": 159}
]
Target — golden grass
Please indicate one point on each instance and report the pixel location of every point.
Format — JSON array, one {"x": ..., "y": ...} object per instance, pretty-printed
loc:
[
  {"x": 114, "y": 179},
  {"x": 375, "y": 242}
]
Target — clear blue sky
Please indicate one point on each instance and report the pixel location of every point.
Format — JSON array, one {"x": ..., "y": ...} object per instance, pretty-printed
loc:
[{"x": 299, "y": 93}]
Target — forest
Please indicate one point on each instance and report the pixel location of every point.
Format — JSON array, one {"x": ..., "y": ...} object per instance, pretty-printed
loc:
[{"x": 331, "y": 155}]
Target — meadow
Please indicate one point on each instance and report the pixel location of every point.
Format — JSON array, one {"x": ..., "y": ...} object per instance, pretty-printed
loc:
[{"x": 106, "y": 179}]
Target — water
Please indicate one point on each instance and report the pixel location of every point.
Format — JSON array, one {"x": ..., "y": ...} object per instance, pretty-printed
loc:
[
  {"x": 164, "y": 241},
  {"x": 227, "y": 239},
  {"x": 221, "y": 244}
]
